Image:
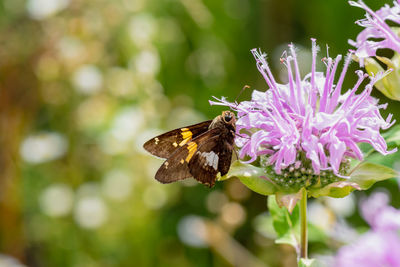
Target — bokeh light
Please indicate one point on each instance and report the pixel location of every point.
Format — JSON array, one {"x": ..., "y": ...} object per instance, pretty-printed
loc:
[{"x": 43, "y": 147}]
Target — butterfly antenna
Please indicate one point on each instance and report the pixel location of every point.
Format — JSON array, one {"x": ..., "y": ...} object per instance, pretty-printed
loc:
[{"x": 241, "y": 91}]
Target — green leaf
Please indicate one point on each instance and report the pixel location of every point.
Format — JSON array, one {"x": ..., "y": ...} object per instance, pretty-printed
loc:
[
  {"x": 393, "y": 135},
  {"x": 363, "y": 176},
  {"x": 367, "y": 173},
  {"x": 286, "y": 225},
  {"x": 253, "y": 177},
  {"x": 390, "y": 84},
  {"x": 337, "y": 189}
]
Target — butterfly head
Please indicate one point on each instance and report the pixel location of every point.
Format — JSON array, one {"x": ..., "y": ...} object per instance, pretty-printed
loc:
[{"x": 229, "y": 117}]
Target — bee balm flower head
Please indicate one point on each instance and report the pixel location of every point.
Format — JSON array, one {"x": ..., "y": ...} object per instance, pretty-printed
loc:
[{"x": 305, "y": 131}]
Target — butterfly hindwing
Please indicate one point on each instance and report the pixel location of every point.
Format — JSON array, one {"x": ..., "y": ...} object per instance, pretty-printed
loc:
[
  {"x": 176, "y": 167},
  {"x": 166, "y": 144},
  {"x": 225, "y": 157},
  {"x": 213, "y": 155},
  {"x": 204, "y": 164}
]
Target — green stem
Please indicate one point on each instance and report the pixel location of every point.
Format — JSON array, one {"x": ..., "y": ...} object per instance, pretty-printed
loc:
[{"x": 303, "y": 218}]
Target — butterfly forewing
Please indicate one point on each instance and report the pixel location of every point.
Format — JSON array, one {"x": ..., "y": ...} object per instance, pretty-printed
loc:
[{"x": 165, "y": 145}]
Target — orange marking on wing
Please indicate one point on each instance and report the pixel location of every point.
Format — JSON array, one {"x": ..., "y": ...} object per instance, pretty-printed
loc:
[
  {"x": 192, "y": 147},
  {"x": 186, "y": 135}
]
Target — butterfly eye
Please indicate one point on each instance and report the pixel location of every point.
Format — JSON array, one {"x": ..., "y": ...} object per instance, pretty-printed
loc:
[{"x": 227, "y": 117}]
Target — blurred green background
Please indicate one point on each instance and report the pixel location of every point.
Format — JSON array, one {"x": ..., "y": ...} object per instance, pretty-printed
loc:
[{"x": 83, "y": 84}]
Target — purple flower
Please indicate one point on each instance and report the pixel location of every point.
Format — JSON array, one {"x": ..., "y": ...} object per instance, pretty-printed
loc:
[
  {"x": 379, "y": 247},
  {"x": 379, "y": 215},
  {"x": 371, "y": 250},
  {"x": 308, "y": 124},
  {"x": 376, "y": 28}
]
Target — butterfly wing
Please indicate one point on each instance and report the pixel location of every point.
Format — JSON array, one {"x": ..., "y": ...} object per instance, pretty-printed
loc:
[
  {"x": 176, "y": 167},
  {"x": 205, "y": 162},
  {"x": 225, "y": 156},
  {"x": 214, "y": 154},
  {"x": 166, "y": 144}
]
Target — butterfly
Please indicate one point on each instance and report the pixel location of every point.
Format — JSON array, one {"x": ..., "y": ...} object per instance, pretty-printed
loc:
[{"x": 199, "y": 151}]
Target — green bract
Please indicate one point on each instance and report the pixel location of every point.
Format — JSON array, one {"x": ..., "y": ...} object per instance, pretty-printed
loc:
[{"x": 362, "y": 177}]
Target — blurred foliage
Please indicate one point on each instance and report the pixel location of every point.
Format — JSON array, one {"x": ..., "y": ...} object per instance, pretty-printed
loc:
[{"x": 84, "y": 83}]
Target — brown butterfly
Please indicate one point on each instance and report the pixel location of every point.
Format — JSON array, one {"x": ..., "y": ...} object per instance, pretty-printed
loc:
[{"x": 199, "y": 151}]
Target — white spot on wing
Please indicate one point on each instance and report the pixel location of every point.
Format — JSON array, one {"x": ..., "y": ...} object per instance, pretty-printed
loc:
[{"x": 211, "y": 159}]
